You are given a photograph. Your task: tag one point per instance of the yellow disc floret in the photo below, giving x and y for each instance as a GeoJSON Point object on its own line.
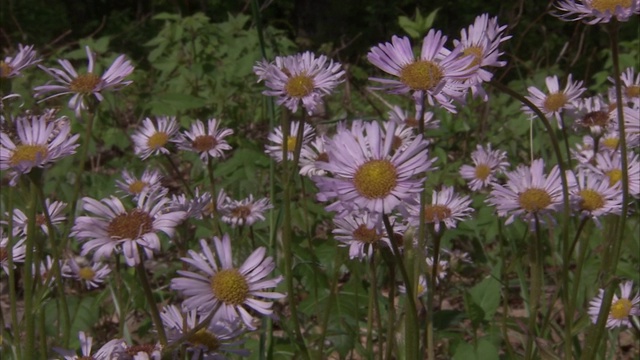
{"type": "Point", "coordinates": [533, 199]}
{"type": "Point", "coordinates": [299, 86]}
{"type": "Point", "coordinates": [421, 75]}
{"type": "Point", "coordinates": [85, 83]}
{"type": "Point", "coordinates": [620, 309]}
{"type": "Point", "coordinates": [28, 153]}
{"type": "Point", "coordinates": [375, 179]}
{"type": "Point", "coordinates": [610, 5]}
{"type": "Point", "coordinates": [230, 287]}
{"type": "Point", "coordinates": [591, 200]}
{"type": "Point", "coordinates": [555, 101]}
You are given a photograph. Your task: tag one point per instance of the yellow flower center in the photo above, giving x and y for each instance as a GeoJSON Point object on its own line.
{"type": "Point", "coordinates": [620, 309]}
{"type": "Point", "coordinates": [204, 143]}
{"type": "Point", "coordinates": [158, 140]}
{"type": "Point", "coordinates": [230, 287]}
{"type": "Point", "coordinates": [5, 69]}
{"type": "Point", "coordinates": [591, 200]}
{"type": "Point", "coordinates": [130, 225]}
{"type": "Point", "coordinates": [611, 143]}
{"type": "Point", "coordinates": [291, 143]}
{"type": "Point", "coordinates": [241, 212]}
{"type": "Point", "coordinates": [41, 219]}
{"type": "Point", "coordinates": [476, 52]}
{"type": "Point", "coordinates": [555, 102]}
{"type": "Point", "coordinates": [206, 339]}
{"type": "Point", "coordinates": [436, 213]}
{"type": "Point", "coordinates": [632, 91]}
{"type": "Point", "coordinates": [299, 86]}
{"type": "Point", "coordinates": [137, 186]}
{"type": "Point", "coordinates": [596, 118]}
{"type": "Point", "coordinates": [86, 273]}
{"type": "Point", "coordinates": [482, 171]}
{"type": "Point", "coordinates": [534, 199]}
{"type": "Point", "coordinates": [28, 153]}
{"type": "Point", "coordinates": [421, 75]}
{"type": "Point", "coordinates": [375, 179]}
{"type": "Point", "coordinates": [366, 235]}
{"type": "Point", "coordinates": [610, 5]}
{"type": "Point", "coordinates": [85, 83]}
{"type": "Point", "coordinates": [614, 175]}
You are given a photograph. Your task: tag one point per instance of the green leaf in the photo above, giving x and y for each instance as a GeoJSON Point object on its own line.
{"type": "Point", "coordinates": [485, 350]}
{"type": "Point", "coordinates": [486, 294]}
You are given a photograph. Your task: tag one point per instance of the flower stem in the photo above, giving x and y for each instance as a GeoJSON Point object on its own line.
{"type": "Point", "coordinates": [148, 293]}
{"type": "Point", "coordinates": [411, 337]}
{"type": "Point", "coordinates": [28, 274]}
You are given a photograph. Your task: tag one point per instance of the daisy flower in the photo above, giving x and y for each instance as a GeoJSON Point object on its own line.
{"type": "Point", "coordinates": [487, 163]}
{"type": "Point", "coordinates": [221, 284]}
{"type": "Point", "coordinates": [208, 343]}
{"type": "Point", "coordinates": [194, 207]}
{"type": "Point", "coordinates": [12, 66]}
{"type": "Point", "coordinates": [594, 113]}
{"type": "Point", "coordinates": [437, 73]}
{"type": "Point", "coordinates": [364, 173]}
{"type": "Point", "coordinates": [114, 228]}
{"type": "Point", "coordinates": [555, 102]}
{"type": "Point", "coordinates": [310, 154]}
{"type": "Point", "coordinates": [244, 212]}
{"type": "Point", "coordinates": [153, 137]}
{"type": "Point", "coordinates": [141, 352]}
{"type": "Point", "coordinates": [597, 11]}
{"type": "Point", "coordinates": [592, 194]}
{"type": "Point", "coordinates": [276, 137]}
{"type": "Point", "coordinates": [54, 209]}
{"type": "Point", "coordinates": [299, 78]}
{"type": "Point", "coordinates": [34, 146]}
{"type": "Point", "coordinates": [446, 207]}
{"type": "Point", "coordinates": [422, 287]}
{"type": "Point", "coordinates": [208, 142]}
{"type": "Point", "coordinates": [584, 153]}
{"type": "Point", "coordinates": [610, 164]}
{"type": "Point", "coordinates": [401, 117]}
{"type": "Point", "coordinates": [528, 193]}
{"type": "Point", "coordinates": [621, 309]}
{"type": "Point", "coordinates": [108, 351]}
{"type": "Point", "coordinates": [630, 87]}
{"type": "Point", "coordinates": [85, 84]}
{"type": "Point", "coordinates": [150, 181]}
{"type": "Point", "coordinates": [90, 275]}
{"type": "Point", "coordinates": [17, 251]}
{"type": "Point", "coordinates": [362, 232]}
{"type": "Point", "coordinates": [481, 40]}
{"type": "Point", "coordinates": [441, 269]}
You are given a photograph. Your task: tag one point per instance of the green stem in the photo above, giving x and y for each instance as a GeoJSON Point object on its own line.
{"type": "Point", "coordinates": [57, 255]}
{"type": "Point", "coordinates": [622, 146]}
{"type": "Point", "coordinates": [12, 272]}
{"type": "Point", "coordinates": [376, 303]}
{"type": "Point", "coordinates": [287, 241]}
{"type": "Point", "coordinates": [148, 293]}
{"type": "Point", "coordinates": [391, 313]}
{"type": "Point", "coordinates": [412, 315]}
{"type": "Point", "coordinates": [77, 186]}
{"type": "Point", "coordinates": [332, 298]}
{"type": "Point", "coordinates": [28, 274]}
{"type": "Point", "coordinates": [536, 264]}
{"type": "Point", "coordinates": [569, 301]}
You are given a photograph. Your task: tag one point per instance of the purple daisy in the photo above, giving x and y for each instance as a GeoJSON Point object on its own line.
{"type": "Point", "coordinates": [207, 142]}
{"type": "Point", "coordinates": [232, 289]}
{"type": "Point", "coordinates": [83, 85]}
{"type": "Point", "coordinates": [114, 228]}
